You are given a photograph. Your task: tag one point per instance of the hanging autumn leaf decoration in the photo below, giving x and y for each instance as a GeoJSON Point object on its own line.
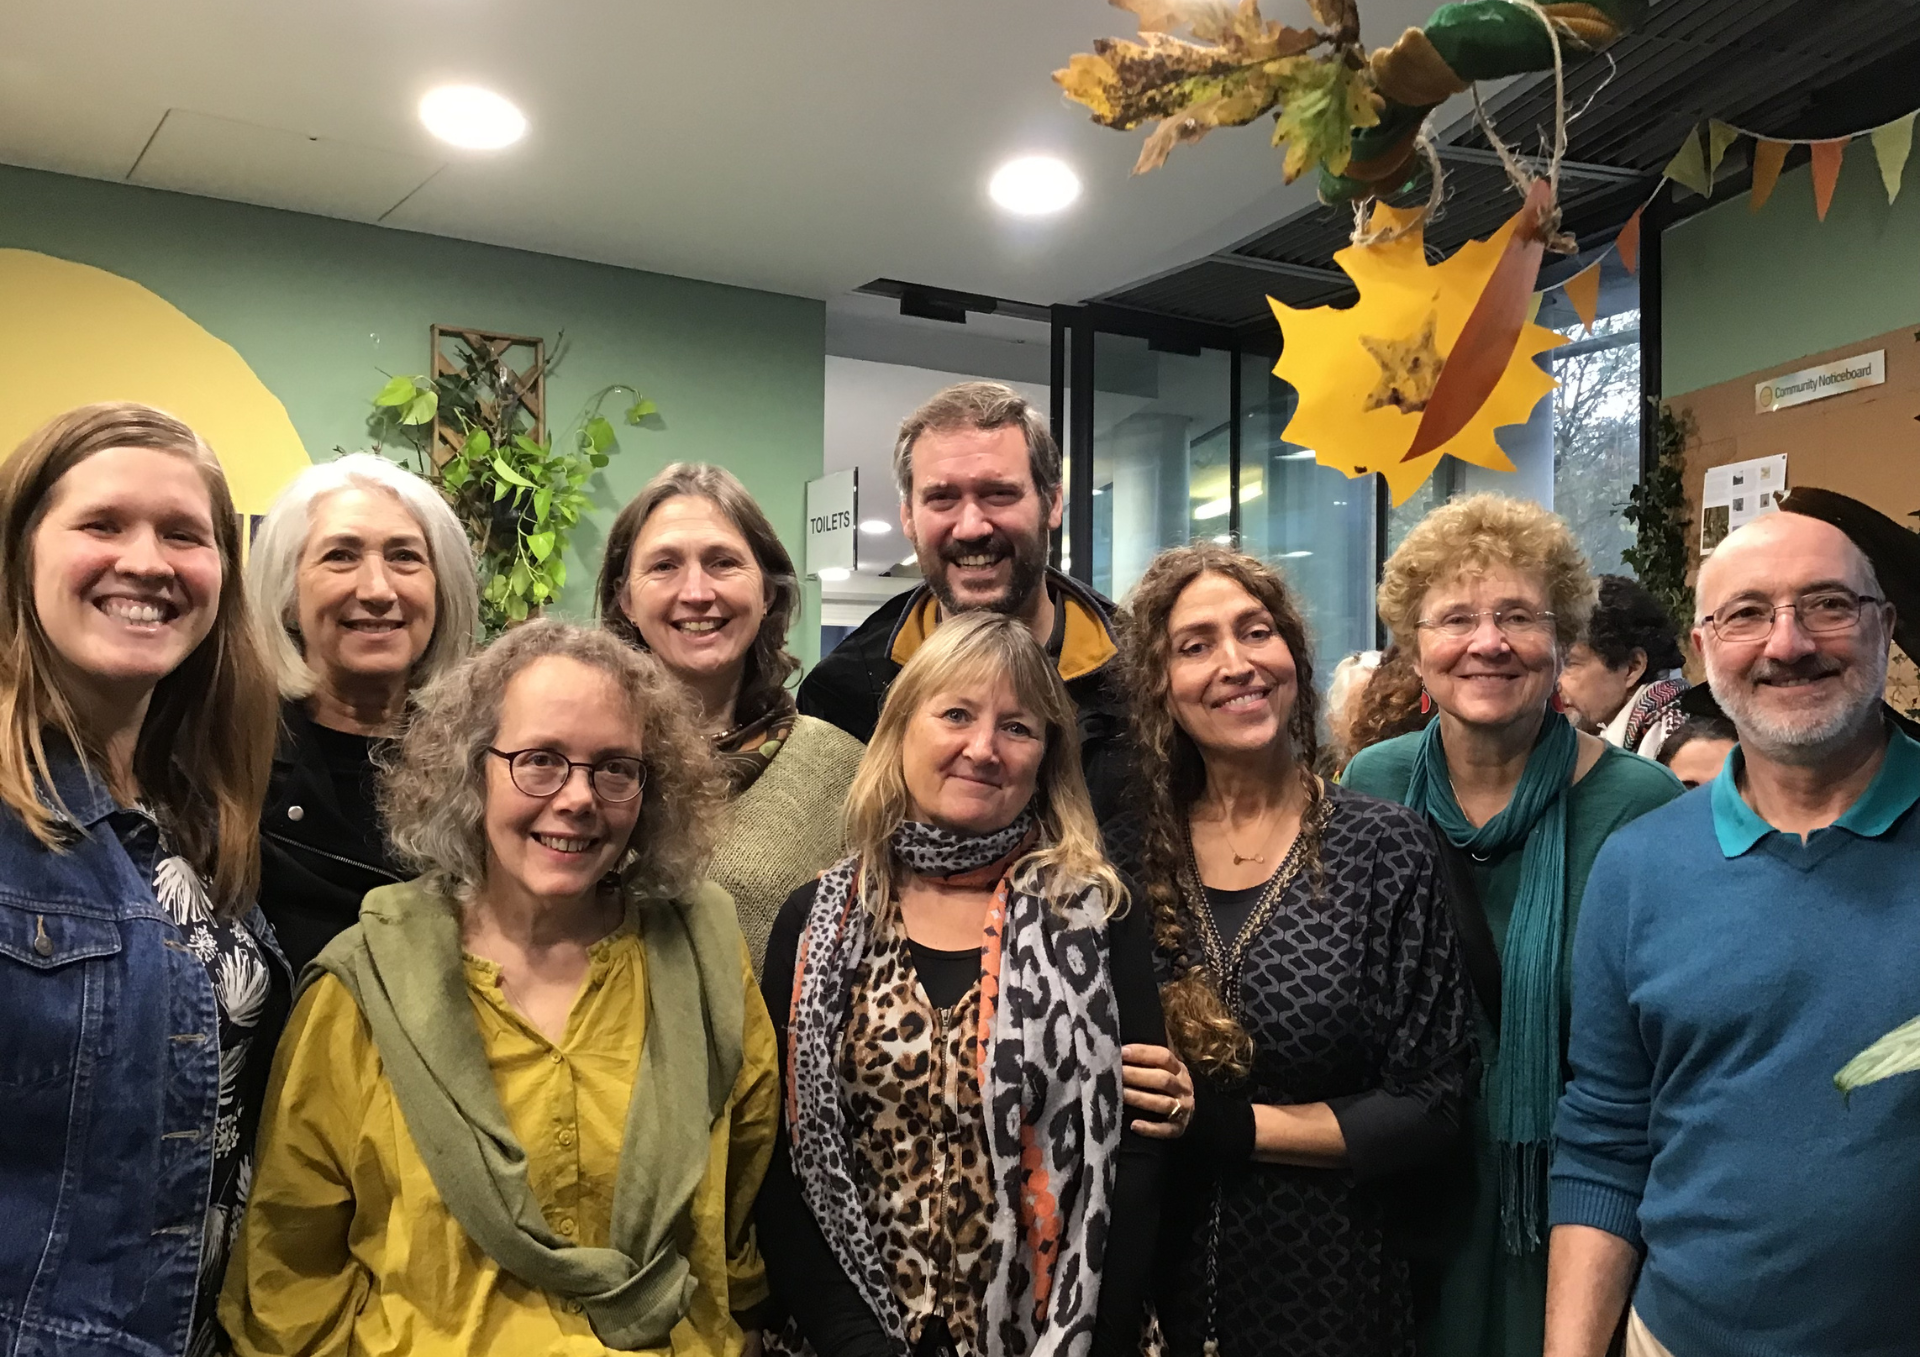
{"type": "Point", "coordinates": [1235, 67]}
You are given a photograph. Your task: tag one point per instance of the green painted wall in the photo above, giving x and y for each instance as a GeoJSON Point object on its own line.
{"type": "Point", "coordinates": [320, 308]}
{"type": "Point", "coordinates": [1745, 290]}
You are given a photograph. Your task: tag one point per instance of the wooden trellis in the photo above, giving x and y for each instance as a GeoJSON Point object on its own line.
{"type": "Point", "coordinates": [520, 369]}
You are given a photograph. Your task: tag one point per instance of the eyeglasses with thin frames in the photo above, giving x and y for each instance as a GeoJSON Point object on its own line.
{"type": "Point", "coordinates": [543, 772]}
{"type": "Point", "coordinates": [1824, 612]}
{"type": "Point", "coordinates": [1513, 623]}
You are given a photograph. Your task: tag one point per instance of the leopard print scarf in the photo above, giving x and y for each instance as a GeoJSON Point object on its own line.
{"type": "Point", "coordinates": [1049, 1077]}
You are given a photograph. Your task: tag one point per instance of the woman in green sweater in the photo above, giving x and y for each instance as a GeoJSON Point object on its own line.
{"type": "Point", "coordinates": [1488, 593]}
{"type": "Point", "coordinates": [695, 573]}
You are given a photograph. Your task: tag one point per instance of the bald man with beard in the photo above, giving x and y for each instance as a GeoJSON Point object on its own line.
{"type": "Point", "coordinates": [1736, 948]}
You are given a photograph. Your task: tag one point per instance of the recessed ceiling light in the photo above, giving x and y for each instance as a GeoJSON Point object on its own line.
{"type": "Point", "coordinates": [834, 574]}
{"type": "Point", "coordinates": [1034, 186]}
{"type": "Point", "coordinates": [876, 527]}
{"type": "Point", "coordinates": [469, 116]}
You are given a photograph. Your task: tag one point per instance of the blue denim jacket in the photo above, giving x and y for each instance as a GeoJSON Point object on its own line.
{"type": "Point", "coordinates": [109, 1080]}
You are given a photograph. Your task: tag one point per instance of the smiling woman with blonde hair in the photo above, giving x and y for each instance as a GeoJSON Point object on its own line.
{"type": "Point", "coordinates": [1487, 594]}
{"type": "Point", "coordinates": [952, 1000]}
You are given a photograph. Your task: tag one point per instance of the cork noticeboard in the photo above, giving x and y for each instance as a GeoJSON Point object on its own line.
{"type": "Point", "coordinates": [1863, 443]}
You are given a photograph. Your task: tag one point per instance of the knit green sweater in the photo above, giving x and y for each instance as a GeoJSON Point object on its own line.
{"type": "Point", "coordinates": [785, 829]}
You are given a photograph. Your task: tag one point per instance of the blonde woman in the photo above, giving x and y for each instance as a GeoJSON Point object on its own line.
{"type": "Point", "coordinates": [140, 989]}
{"type": "Point", "coordinates": [523, 1106]}
{"type": "Point", "coordinates": [952, 1001]}
{"type": "Point", "coordinates": [1487, 594]}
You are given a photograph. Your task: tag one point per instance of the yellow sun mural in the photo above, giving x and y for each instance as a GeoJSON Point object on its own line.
{"type": "Point", "coordinates": [83, 334]}
{"type": "Point", "coordinates": [1387, 385]}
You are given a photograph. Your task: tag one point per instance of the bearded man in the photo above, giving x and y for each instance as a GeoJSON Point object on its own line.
{"type": "Point", "coordinates": [1737, 947]}
{"type": "Point", "coordinates": [980, 494]}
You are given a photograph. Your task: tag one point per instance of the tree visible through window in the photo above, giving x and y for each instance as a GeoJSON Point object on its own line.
{"type": "Point", "coordinates": [1596, 438]}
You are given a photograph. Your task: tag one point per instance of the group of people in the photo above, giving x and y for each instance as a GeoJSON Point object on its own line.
{"type": "Point", "coordinates": [1032, 981]}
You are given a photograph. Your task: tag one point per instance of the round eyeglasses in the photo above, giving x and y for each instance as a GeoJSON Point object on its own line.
{"type": "Point", "coordinates": [1822, 613]}
{"type": "Point", "coordinates": [543, 772]}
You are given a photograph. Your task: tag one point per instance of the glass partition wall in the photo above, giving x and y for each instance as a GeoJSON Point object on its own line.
{"type": "Point", "coordinates": [1173, 434]}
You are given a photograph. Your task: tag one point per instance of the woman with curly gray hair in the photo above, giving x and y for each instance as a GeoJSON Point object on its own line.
{"type": "Point", "coordinates": [1487, 595]}
{"type": "Point", "coordinates": [525, 1104]}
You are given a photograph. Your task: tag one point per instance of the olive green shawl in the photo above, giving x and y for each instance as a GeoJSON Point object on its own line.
{"type": "Point", "coordinates": [402, 964]}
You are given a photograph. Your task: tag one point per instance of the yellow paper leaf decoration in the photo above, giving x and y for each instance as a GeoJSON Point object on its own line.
{"type": "Point", "coordinates": [1363, 372]}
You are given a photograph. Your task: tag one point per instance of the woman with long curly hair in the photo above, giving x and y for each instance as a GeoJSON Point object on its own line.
{"type": "Point", "coordinates": [1313, 987]}
{"type": "Point", "coordinates": [523, 1105]}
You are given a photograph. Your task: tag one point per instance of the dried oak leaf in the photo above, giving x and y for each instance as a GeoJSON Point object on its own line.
{"type": "Point", "coordinates": [1323, 100]}
{"type": "Point", "coordinates": [1341, 18]}
{"type": "Point", "coordinates": [1239, 98]}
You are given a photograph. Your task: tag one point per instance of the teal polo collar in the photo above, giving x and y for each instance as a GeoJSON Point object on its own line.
{"type": "Point", "coordinates": [1893, 791]}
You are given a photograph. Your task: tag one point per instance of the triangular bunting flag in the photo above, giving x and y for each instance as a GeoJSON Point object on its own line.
{"type": "Point", "coordinates": [1719, 137]}
{"type": "Point", "coordinates": [1768, 157]}
{"type": "Point", "coordinates": [1628, 241]}
{"type": "Point", "coordinates": [1689, 165]}
{"type": "Point", "coordinates": [1826, 171]}
{"type": "Point", "coordinates": [1583, 290]}
{"type": "Point", "coordinates": [1533, 307]}
{"type": "Point", "coordinates": [1890, 146]}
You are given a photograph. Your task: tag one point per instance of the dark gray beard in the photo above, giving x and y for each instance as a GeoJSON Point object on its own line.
{"type": "Point", "coordinates": [1023, 582]}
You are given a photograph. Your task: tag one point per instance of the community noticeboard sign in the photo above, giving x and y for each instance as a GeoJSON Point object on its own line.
{"type": "Point", "coordinates": [831, 507]}
{"type": "Point", "coordinates": [1812, 384]}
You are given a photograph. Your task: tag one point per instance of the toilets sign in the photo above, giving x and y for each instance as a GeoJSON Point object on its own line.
{"type": "Point", "coordinates": [1812, 384]}
{"type": "Point", "coordinates": [832, 510]}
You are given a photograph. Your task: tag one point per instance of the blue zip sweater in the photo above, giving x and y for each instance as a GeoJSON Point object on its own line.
{"type": "Point", "coordinates": [1722, 973]}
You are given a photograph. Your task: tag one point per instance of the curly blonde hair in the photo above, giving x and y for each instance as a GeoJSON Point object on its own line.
{"type": "Point", "coordinates": [965, 650]}
{"type": "Point", "coordinates": [1173, 777]}
{"type": "Point", "coordinates": [1478, 533]}
{"type": "Point", "coordinates": [433, 795]}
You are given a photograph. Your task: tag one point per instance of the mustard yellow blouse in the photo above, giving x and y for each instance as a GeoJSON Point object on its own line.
{"type": "Point", "coordinates": [347, 1248]}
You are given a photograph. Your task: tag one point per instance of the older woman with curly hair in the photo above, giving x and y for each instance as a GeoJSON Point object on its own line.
{"type": "Point", "coordinates": [953, 998]}
{"type": "Point", "coordinates": [525, 1103]}
{"type": "Point", "coordinates": [1488, 594]}
{"type": "Point", "coordinates": [1310, 978]}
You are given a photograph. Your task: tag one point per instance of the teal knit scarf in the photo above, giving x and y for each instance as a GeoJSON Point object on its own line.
{"type": "Point", "coordinates": [1526, 1075]}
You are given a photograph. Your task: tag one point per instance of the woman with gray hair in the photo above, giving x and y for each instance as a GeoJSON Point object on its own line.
{"type": "Point", "coordinates": [524, 1105]}
{"type": "Point", "coordinates": [363, 589]}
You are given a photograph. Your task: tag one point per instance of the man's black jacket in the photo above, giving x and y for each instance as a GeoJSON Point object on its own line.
{"type": "Point", "coordinates": [848, 686]}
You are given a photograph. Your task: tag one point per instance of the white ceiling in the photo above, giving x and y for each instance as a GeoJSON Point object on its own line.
{"type": "Point", "coordinates": [802, 148]}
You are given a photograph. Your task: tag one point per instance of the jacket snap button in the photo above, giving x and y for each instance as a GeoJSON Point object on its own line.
{"type": "Point", "coordinates": [42, 944]}
{"type": "Point", "coordinates": [296, 813]}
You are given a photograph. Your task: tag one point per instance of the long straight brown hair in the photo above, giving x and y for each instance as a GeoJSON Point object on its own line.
{"type": "Point", "coordinates": [205, 749]}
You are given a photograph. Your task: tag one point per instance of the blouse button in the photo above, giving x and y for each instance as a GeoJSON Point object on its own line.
{"type": "Point", "coordinates": [565, 1137]}
{"type": "Point", "coordinates": [556, 1057]}
{"type": "Point", "coordinates": [296, 813]}
{"type": "Point", "coordinates": [566, 1226]}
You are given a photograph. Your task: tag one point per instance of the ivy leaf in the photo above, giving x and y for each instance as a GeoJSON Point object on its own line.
{"type": "Point", "coordinates": [640, 409]}
{"type": "Point", "coordinates": [599, 434]}
{"type": "Point", "coordinates": [532, 449]}
{"type": "Point", "coordinates": [500, 487]}
{"type": "Point", "coordinates": [509, 476]}
{"type": "Point", "coordinates": [478, 444]}
{"type": "Point", "coordinates": [557, 572]}
{"type": "Point", "coordinates": [542, 591]}
{"type": "Point", "coordinates": [421, 409]}
{"type": "Point", "coordinates": [456, 473]}
{"type": "Point", "coordinates": [599, 459]}
{"type": "Point", "coordinates": [540, 544]}
{"type": "Point", "coordinates": [542, 502]}
{"type": "Point", "coordinates": [1898, 1052]}
{"type": "Point", "coordinates": [517, 608]}
{"type": "Point", "coordinates": [521, 577]}
{"type": "Point", "coordinates": [398, 391]}
{"type": "Point", "coordinates": [1323, 101]}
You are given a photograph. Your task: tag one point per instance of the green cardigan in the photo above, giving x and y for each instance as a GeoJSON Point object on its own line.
{"type": "Point", "coordinates": [1493, 1304]}
{"type": "Point", "coordinates": [785, 829]}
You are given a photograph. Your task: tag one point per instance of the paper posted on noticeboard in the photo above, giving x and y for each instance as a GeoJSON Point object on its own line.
{"type": "Point", "coordinates": [1738, 493]}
